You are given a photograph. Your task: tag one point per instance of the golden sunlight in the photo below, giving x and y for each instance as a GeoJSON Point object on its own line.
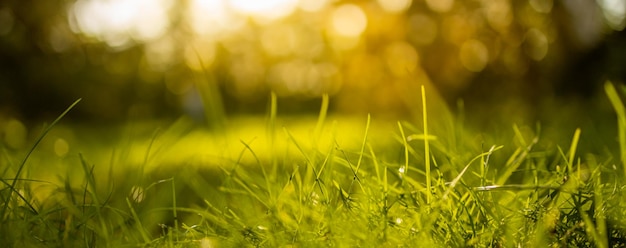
{"type": "Point", "coordinates": [395, 6]}
{"type": "Point", "coordinates": [212, 18]}
{"type": "Point", "coordinates": [349, 20]}
{"type": "Point", "coordinates": [315, 47]}
{"type": "Point", "coordinates": [474, 55]}
{"type": "Point", "coordinates": [264, 11]}
{"type": "Point", "coordinates": [120, 22]}
{"type": "Point", "coordinates": [312, 5]}
{"type": "Point", "coordinates": [614, 13]}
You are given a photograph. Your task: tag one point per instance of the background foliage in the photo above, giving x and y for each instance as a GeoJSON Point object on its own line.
{"type": "Point", "coordinates": [147, 59]}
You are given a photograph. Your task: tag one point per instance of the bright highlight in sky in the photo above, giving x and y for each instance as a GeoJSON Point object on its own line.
{"type": "Point", "coordinates": [118, 22]}
{"type": "Point", "coordinates": [349, 20]}
{"type": "Point", "coordinates": [266, 10]}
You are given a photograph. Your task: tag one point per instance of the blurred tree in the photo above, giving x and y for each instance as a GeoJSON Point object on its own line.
{"type": "Point", "coordinates": [154, 59]}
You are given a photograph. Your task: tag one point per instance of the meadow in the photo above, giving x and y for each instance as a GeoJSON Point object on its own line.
{"type": "Point", "coordinates": [311, 181]}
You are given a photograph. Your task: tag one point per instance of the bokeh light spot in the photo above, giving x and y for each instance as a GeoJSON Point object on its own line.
{"type": "Point", "coordinates": [302, 77]}
{"type": "Point", "coordinates": [512, 58]}
{"type": "Point", "coordinates": [118, 22]}
{"type": "Point", "coordinates": [15, 134]}
{"type": "Point", "coordinates": [535, 44]}
{"type": "Point", "coordinates": [279, 41]}
{"type": "Point", "coordinates": [614, 13]}
{"type": "Point", "coordinates": [312, 5]}
{"type": "Point", "coordinates": [474, 55]}
{"type": "Point", "coordinates": [212, 17]}
{"type": "Point", "coordinates": [159, 54]}
{"type": "Point", "coordinates": [423, 29]}
{"type": "Point", "coordinates": [402, 58]}
{"type": "Point", "coordinates": [6, 21]}
{"type": "Point", "coordinates": [541, 6]}
{"type": "Point", "coordinates": [266, 10]}
{"type": "Point", "coordinates": [200, 54]}
{"type": "Point", "coordinates": [457, 28]}
{"type": "Point", "coordinates": [394, 6]}
{"type": "Point", "coordinates": [499, 15]}
{"type": "Point", "coordinates": [61, 147]}
{"type": "Point", "coordinates": [348, 20]}
{"type": "Point", "coordinates": [440, 6]}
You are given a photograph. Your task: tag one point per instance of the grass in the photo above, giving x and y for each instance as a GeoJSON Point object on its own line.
{"type": "Point", "coordinates": [330, 181]}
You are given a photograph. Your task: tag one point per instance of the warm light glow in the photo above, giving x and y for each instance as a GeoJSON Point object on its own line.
{"type": "Point", "coordinates": [542, 6]}
{"type": "Point", "coordinates": [458, 28]}
{"type": "Point", "coordinates": [614, 13]}
{"type": "Point", "coordinates": [344, 43]}
{"type": "Point", "coordinates": [200, 54]}
{"type": "Point", "coordinates": [474, 55]}
{"type": "Point", "coordinates": [300, 47]}
{"type": "Point", "coordinates": [264, 10]}
{"type": "Point", "coordinates": [212, 17]}
{"type": "Point", "coordinates": [394, 6]}
{"type": "Point", "coordinates": [248, 72]}
{"type": "Point", "coordinates": [217, 17]}
{"type": "Point", "coordinates": [536, 44]}
{"type": "Point", "coordinates": [303, 77]}
{"type": "Point", "coordinates": [402, 58]}
{"type": "Point", "coordinates": [348, 20]}
{"type": "Point", "coordinates": [159, 54]}
{"type": "Point", "coordinates": [279, 40]}
{"type": "Point", "coordinates": [312, 5]}
{"type": "Point", "coordinates": [499, 15]}
{"type": "Point", "coordinates": [118, 22]}
{"type": "Point", "coordinates": [440, 6]}
{"type": "Point", "coordinates": [423, 29]}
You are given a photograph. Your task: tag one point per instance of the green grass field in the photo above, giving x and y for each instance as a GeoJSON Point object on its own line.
{"type": "Point", "coordinates": [316, 181]}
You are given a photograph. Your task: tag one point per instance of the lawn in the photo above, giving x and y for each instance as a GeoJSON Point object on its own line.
{"type": "Point", "coordinates": [310, 181]}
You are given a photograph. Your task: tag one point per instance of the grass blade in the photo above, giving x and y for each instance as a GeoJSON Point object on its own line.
{"type": "Point", "coordinates": [321, 119]}
{"type": "Point", "coordinates": [30, 151]}
{"type": "Point", "coordinates": [426, 147]}
{"type": "Point", "coordinates": [142, 230]}
{"type": "Point", "coordinates": [620, 110]}
{"type": "Point", "coordinates": [367, 129]}
{"type": "Point", "coordinates": [458, 177]}
{"type": "Point", "coordinates": [572, 149]}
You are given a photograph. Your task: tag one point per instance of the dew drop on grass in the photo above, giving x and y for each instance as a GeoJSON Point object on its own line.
{"type": "Point", "coordinates": [398, 221]}
{"type": "Point", "coordinates": [136, 193]}
{"type": "Point", "coordinates": [401, 172]}
{"type": "Point", "coordinates": [315, 198]}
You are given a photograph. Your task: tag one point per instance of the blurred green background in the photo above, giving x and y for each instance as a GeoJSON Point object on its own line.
{"type": "Point", "coordinates": [154, 59]}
